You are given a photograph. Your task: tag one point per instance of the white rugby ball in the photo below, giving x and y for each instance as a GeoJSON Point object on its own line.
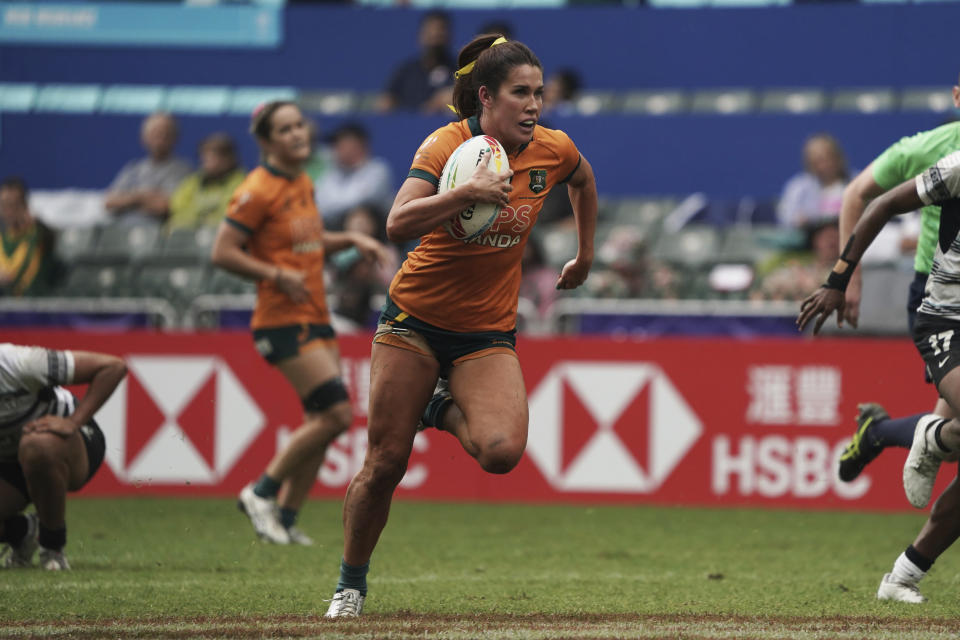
{"type": "Point", "coordinates": [463, 162]}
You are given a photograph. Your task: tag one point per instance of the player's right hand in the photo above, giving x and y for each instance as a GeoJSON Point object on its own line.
{"type": "Point", "coordinates": [820, 305]}
{"type": "Point", "coordinates": [487, 186]}
{"type": "Point", "coordinates": [293, 284]}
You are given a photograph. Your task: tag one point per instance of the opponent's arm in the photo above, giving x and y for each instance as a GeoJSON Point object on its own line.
{"type": "Point", "coordinates": [831, 296]}
{"type": "Point", "coordinates": [228, 253]}
{"type": "Point", "coordinates": [419, 209]}
{"type": "Point", "coordinates": [583, 197]}
{"type": "Point", "coordinates": [103, 373]}
{"type": "Point", "coordinates": [861, 190]}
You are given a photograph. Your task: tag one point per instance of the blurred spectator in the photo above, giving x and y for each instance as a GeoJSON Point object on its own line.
{"type": "Point", "coordinates": [320, 156]}
{"type": "Point", "coordinates": [141, 191]}
{"type": "Point", "coordinates": [559, 92]}
{"type": "Point", "coordinates": [354, 178]}
{"type": "Point", "coordinates": [817, 192]}
{"type": "Point", "coordinates": [539, 282]}
{"type": "Point", "coordinates": [425, 82]}
{"type": "Point", "coordinates": [793, 275]}
{"type": "Point", "coordinates": [202, 197]}
{"type": "Point", "coordinates": [501, 27]}
{"type": "Point", "coordinates": [27, 264]}
{"type": "Point", "coordinates": [356, 280]}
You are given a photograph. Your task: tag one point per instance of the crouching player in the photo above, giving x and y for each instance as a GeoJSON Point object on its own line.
{"type": "Point", "coordinates": [49, 444]}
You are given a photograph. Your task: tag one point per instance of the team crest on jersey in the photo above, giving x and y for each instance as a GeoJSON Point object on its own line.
{"type": "Point", "coordinates": [538, 180]}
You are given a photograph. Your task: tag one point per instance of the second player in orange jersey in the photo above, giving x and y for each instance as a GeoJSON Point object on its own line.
{"type": "Point", "coordinates": [273, 234]}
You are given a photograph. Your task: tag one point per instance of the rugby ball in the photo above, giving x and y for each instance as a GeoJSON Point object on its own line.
{"type": "Point", "coordinates": [473, 221]}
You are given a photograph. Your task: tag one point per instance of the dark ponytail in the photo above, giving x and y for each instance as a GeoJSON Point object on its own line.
{"type": "Point", "coordinates": [492, 65]}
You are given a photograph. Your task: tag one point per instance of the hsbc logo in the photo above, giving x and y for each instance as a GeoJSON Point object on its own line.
{"type": "Point", "coordinates": [178, 418]}
{"type": "Point", "coordinates": [638, 427]}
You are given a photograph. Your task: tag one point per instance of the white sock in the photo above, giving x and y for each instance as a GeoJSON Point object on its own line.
{"type": "Point", "coordinates": [906, 571]}
{"type": "Point", "coordinates": [931, 423]}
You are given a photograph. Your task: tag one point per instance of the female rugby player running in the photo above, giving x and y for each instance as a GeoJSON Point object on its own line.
{"type": "Point", "coordinates": [451, 309]}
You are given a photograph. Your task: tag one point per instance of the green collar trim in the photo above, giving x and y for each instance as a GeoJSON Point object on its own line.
{"type": "Point", "coordinates": [473, 122]}
{"type": "Point", "coordinates": [280, 174]}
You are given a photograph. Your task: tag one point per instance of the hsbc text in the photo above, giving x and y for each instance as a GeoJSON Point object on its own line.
{"type": "Point", "coordinates": [774, 466]}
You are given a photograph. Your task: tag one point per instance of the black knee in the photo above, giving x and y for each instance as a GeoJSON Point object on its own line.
{"type": "Point", "coordinates": [500, 456]}
{"type": "Point", "coordinates": [325, 396]}
{"type": "Point", "coordinates": [35, 451]}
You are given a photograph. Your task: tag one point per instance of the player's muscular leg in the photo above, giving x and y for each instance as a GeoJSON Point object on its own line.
{"type": "Point", "coordinates": [401, 383]}
{"type": "Point", "coordinates": [489, 411]}
{"type": "Point", "coordinates": [52, 466]}
{"type": "Point", "coordinates": [12, 501]}
{"type": "Point", "coordinates": [305, 452]}
{"type": "Point", "coordinates": [949, 389]}
{"type": "Point", "coordinates": [943, 526]}
{"type": "Point", "coordinates": [305, 373]}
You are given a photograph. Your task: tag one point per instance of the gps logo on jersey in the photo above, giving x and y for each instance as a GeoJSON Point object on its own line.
{"type": "Point", "coordinates": [176, 419]}
{"type": "Point", "coordinates": [643, 427]}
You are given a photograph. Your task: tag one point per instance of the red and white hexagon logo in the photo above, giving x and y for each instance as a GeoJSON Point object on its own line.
{"type": "Point", "coordinates": [602, 426]}
{"type": "Point", "coordinates": [176, 419]}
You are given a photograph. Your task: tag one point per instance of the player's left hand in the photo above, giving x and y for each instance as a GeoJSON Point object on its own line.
{"type": "Point", "coordinates": [63, 427]}
{"type": "Point", "coordinates": [371, 249]}
{"type": "Point", "coordinates": [820, 304]}
{"type": "Point", "coordinates": [573, 274]}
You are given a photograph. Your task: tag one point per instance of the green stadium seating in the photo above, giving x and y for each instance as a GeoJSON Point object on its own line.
{"type": "Point", "coordinates": [17, 96]}
{"type": "Point", "coordinates": [70, 98]}
{"type": "Point", "coordinates": [793, 100]}
{"type": "Point", "coordinates": [98, 281]}
{"type": "Point", "coordinates": [123, 243]}
{"type": "Point", "coordinates": [692, 246]}
{"type": "Point", "coordinates": [132, 99]}
{"type": "Point", "coordinates": [197, 100]}
{"type": "Point", "coordinates": [178, 284]}
{"type": "Point", "coordinates": [863, 100]}
{"type": "Point", "coordinates": [724, 101]}
{"type": "Point", "coordinates": [188, 245]}
{"type": "Point", "coordinates": [76, 245]}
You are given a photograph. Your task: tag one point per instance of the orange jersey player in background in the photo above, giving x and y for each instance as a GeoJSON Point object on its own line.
{"type": "Point", "coordinates": [451, 311]}
{"type": "Point", "coordinates": [273, 234]}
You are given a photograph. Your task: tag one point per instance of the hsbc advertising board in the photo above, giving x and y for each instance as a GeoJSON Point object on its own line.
{"type": "Point", "coordinates": [667, 421]}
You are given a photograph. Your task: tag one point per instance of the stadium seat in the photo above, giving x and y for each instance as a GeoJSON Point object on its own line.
{"type": "Point", "coordinates": [17, 96]}
{"type": "Point", "coordinates": [188, 245]}
{"type": "Point", "coordinates": [863, 100]}
{"type": "Point", "coordinates": [750, 243]}
{"type": "Point", "coordinates": [124, 243]}
{"type": "Point", "coordinates": [224, 282]}
{"type": "Point", "coordinates": [98, 281]}
{"type": "Point", "coordinates": [692, 246]}
{"type": "Point", "coordinates": [70, 98]}
{"type": "Point", "coordinates": [655, 103]}
{"type": "Point", "coordinates": [178, 284]}
{"type": "Point", "coordinates": [559, 245]}
{"type": "Point", "coordinates": [793, 100]}
{"type": "Point", "coordinates": [329, 102]}
{"type": "Point", "coordinates": [933, 99]}
{"type": "Point", "coordinates": [244, 100]}
{"type": "Point", "coordinates": [76, 245]}
{"type": "Point", "coordinates": [132, 99]}
{"type": "Point", "coordinates": [590, 103]}
{"type": "Point", "coordinates": [724, 101]}
{"type": "Point", "coordinates": [197, 100]}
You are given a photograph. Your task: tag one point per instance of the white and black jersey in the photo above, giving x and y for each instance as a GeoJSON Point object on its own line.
{"type": "Point", "coordinates": [30, 379]}
{"type": "Point", "coordinates": [940, 185]}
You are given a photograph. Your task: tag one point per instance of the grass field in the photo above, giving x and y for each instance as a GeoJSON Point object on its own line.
{"type": "Point", "coordinates": [152, 568]}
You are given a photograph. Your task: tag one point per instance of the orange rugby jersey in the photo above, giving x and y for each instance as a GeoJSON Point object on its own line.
{"type": "Point", "coordinates": [474, 286]}
{"type": "Point", "coordinates": [285, 229]}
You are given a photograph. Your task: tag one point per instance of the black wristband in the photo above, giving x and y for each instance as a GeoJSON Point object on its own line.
{"type": "Point", "coordinates": [838, 281]}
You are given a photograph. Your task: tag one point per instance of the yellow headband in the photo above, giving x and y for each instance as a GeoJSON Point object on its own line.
{"type": "Point", "coordinates": [467, 68]}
